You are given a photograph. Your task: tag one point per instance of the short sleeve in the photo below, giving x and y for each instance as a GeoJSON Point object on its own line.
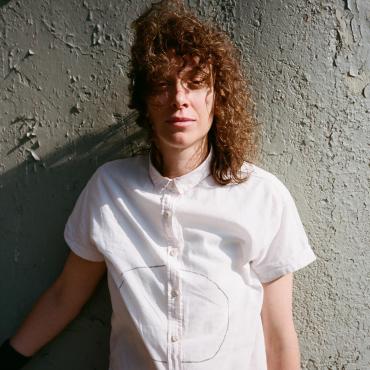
{"type": "Point", "coordinates": [82, 228]}
{"type": "Point", "coordinates": [289, 249]}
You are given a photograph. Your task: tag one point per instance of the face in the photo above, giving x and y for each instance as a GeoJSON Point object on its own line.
{"type": "Point", "coordinates": [180, 107]}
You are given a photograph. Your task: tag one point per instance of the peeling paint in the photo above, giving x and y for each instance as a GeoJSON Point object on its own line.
{"type": "Point", "coordinates": [366, 91]}
{"type": "Point", "coordinates": [33, 154]}
{"type": "Point", "coordinates": [97, 37]}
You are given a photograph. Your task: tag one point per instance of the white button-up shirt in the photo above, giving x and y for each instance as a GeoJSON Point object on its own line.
{"type": "Point", "coordinates": [186, 258]}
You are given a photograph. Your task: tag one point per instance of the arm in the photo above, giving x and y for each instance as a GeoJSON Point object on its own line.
{"type": "Point", "coordinates": [282, 348]}
{"type": "Point", "coordinates": [59, 304]}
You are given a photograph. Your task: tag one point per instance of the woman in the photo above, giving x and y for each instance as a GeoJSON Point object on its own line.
{"type": "Point", "coordinates": [199, 243]}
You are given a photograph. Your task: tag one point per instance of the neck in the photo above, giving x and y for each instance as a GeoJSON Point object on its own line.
{"type": "Point", "coordinates": [178, 162]}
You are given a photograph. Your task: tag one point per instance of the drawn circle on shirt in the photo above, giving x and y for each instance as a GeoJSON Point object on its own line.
{"type": "Point", "coordinates": [204, 306]}
{"type": "Point", "coordinates": [206, 317]}
{"type": "Point", "coordinates": [143, 290]}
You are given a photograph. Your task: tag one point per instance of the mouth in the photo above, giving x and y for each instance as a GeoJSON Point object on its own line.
{"type": "Point", "coordinates": [181, 121]}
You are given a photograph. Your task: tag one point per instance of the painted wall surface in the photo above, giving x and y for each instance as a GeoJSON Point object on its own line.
{"type": "Point", "coordinates": [63, 111]}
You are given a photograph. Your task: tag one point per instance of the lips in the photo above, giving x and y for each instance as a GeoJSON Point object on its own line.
{"type": "Point", "coordinates": [180, 119]}
{"type": "Point", "coordinates": [180, 122]}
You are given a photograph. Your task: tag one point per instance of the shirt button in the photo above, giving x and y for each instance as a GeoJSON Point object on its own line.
{"type": "Point", "coordinates": [174, 338]}
{"type": "Point", "coordinates": [172, 185]}
{"type": "Point", "coordinates": [174, 293]}
{"type": "Point", "coordinates": [166, 214]}
{"type": "Point", "coordinates": [173, 252]}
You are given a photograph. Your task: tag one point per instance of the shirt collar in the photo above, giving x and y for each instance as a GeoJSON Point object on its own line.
{"type": "Point", "coordinates": [182, 183]}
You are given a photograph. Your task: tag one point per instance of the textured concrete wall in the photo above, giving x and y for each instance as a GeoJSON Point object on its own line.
{"type": "Point", "coordinates": [63, 111]}
{"type": "Point", "coordinates": [310, 67]}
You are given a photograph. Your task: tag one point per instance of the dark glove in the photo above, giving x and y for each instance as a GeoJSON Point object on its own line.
{"type": "Point", "coordinates": [10, 359]}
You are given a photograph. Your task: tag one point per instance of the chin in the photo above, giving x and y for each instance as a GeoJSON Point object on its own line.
{"type": "Point", "coordinates": [179, 139]}
{"type": "Point", "coordinates": [180, 143]}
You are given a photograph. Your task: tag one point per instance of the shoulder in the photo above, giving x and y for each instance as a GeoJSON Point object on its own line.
{"type": "Point", "coordinates": [263, 181]}
{"type": "Point", "coordinates": [133, 164]}
{"type": "Point", "coordinates": [122, 171]}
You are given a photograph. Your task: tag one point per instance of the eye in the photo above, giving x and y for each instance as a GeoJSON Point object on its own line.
{"type": "Point", "coordinates": [196, 83]}
{"type": "Point", "coordinates": [159, 86]}
{"type": "Point", "coordinates": [162, 84]}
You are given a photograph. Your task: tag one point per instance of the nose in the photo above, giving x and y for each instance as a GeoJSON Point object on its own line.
{"type": "Point", "coordinates": [180, 95]}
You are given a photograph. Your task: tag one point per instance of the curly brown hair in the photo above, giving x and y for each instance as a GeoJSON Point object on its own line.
{"type": "Point", "coordinates": [169, 26]}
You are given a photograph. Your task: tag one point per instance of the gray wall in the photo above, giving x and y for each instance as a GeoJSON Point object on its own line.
{"type": "Point", "coordinates": [63, 111]}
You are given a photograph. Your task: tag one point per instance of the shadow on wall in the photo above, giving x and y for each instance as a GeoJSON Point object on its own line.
{"type": "Point", "coordinates": [36, 199]}
{"type": "Point", "coordinates": [4, 2]}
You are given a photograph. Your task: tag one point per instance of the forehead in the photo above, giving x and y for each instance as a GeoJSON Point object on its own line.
{"type": "Point", "coordinates": [181, 65]}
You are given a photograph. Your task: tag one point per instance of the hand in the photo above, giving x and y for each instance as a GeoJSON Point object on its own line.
{"type": "Point", "coordinates": [10, 359]}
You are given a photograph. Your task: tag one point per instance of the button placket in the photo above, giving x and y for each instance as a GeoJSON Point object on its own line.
{"type": "Point", "coordinates": [175, 321]}
{"type": "Point", "coordinates": [173, 280]}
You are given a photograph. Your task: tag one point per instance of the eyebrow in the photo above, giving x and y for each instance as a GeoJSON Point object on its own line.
{"type": "Point", "coordinates": [204, 73]}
